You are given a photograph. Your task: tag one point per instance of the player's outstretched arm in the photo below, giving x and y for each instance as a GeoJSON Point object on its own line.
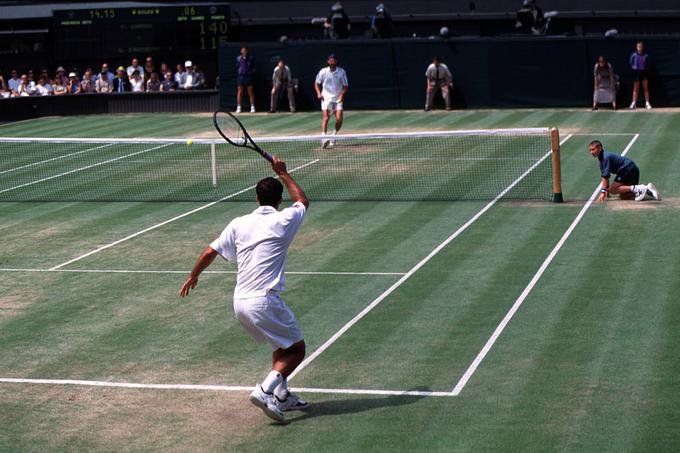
{"type": "Point", "coordinates": [203, 262]}
{"type": "Point", "coordinates": [295, 191]}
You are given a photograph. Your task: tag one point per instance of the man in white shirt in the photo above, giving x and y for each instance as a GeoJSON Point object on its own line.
{"type": "Point", "coordinates": [438, 78]}
{"type": "Point", "coordinates": [134, 66]}
{"type": "Point", "coordinates": [331, 86]}
{"type": "Point", "coordinates": [259, 243]}
{"type": "Point", "coordinates": [13, 83]}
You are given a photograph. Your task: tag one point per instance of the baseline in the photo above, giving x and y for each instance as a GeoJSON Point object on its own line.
{"type": "Point", "coordinates": [158, 225]}
{"type": "Point", "coordinates": [415, 268]}
{"type": "Point", "coordinates": [223, 388]}
{"type": "Point", "coordinates": [504, 322]}
{"type": "Point", "coordinates": [133, 271]}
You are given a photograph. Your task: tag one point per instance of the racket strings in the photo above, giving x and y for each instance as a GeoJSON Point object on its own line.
{"type": "Point", "coordinates": [230, 128]}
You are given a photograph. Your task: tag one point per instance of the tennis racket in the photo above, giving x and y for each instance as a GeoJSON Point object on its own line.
{"type": "Point", "coordinates": [231, 129]}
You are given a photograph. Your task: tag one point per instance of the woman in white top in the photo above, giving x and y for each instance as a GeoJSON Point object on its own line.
{"type": "Point", "coordinates": [136, 82]}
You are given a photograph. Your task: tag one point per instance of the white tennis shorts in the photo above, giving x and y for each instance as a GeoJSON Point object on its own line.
{"type": "Point", "coordinates": [268, 318]}
{"type": "Point", "coordinates": [331, 105]}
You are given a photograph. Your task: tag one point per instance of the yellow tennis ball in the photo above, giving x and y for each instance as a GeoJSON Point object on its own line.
{"type": "Point", "coordinates": [189, 142]}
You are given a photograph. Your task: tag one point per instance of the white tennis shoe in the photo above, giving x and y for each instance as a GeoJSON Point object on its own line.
{"type": "Point", "coordinates": [651, 189]}
{"type": "Point", "coordinates": [267, 403]}
{"type": "Point", "coordinates": [325, 143]}
{"type": "Point", "coordinates": [641, 192]}
{"type": "Point", "coordinates": [252, 109]}
{"type": "Point", "coordinates": [648, 106]}
{"type": "Point", "coordinates": [238, 109]}
{"type": "Point", "coordinates": [292, 403]}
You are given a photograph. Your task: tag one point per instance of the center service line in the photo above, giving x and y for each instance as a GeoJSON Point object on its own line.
{"type": "Point", "coordinates": [158, 225]}
{"type": "Point", "coordinates": [415, 268]}
{"type": "Point", "coordinates": [490, 342]}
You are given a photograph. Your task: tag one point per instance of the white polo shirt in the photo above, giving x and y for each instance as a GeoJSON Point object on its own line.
{"type": "Point", "coordinates": [331, 82]}
{"type": "Point", "coordinates": [259, 242]}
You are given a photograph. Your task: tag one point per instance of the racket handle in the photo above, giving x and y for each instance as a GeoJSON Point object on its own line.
{"type": "Point", "coordinates": [267, 156]}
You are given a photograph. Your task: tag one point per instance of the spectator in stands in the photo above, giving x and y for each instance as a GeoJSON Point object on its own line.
{"type": "Point", "coordinates": [153, 84]}
{"type": "Point", "coordinates": [179, 74]}
{"type": "Point", "coordinates": [58, 87]}
{"type": "Point", "coordinates": [148, 68]}
{"type": "Point", "coordinates": [120, 83]}
{"type": "Point", "coordinates": [282, 79]}
{"type": "Point", "coordinates": [245, 68]}
{"type": "Point", "coordinates": [188, 76]}
{"type": "Point", "coordinates": [30, 75]}
{"type": "Point", "coordinates": [164, 68]}
{"type": "Point", "coordinates": [604, 85]}
{"type": "Point", "coordinates": [60, 74]}
{"type": "Point", "coordinates": [134, 66]}
{"type": "Point", "coordinates": [639, 63]}
{"type": "Point", "coordinates": [199, 78]}
{"type": "Point", "coordinates": [136, 82]}
{"type": "Point", "coordinates": [26, 87]}
{"type": "Point", "coordinates": [87, 84]}
{"type": "Point", "coordinates": [169, 83]}
{"type": "Point", "coordinates": [73, 86]}
{"type": "Point", "coordinates": [381, 23]}
{"type": "Point", "coordinates": [44, 87]}
{"type": "Point", "coordinates": [337, 25]}
{"type": "Point", "coordinates": [105, 73]}
{"type": "Point", "coordinates": [4, 90]}
{"type": "Point", "coordinates": [13, 83]}
{"type": "Point", "coordinates": [438, 78]}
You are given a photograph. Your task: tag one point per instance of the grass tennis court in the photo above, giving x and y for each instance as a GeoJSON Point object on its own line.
{"type": "Point", "coordinates": [588, 362]}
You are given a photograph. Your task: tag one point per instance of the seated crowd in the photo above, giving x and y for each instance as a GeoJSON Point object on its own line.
{"type": "Point", "coordinates": [134, 78]}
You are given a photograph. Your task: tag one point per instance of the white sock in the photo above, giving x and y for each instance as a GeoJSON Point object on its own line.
{"type": "Point", "coordinates": [334, 132]}
{"type": "Point", "coordinates": [281, 391]}
{"type": "Point", "coordinates": [272, 380]}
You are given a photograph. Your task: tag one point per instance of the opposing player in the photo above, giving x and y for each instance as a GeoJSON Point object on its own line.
{"type": "Point", "coordinates": [259, 243]}
{"type": "Point", "coordinates": [331, 87]}
{"type": "Point", "coordinates": [626, 184]}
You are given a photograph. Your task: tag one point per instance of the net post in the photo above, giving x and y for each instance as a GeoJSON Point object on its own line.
{"type": "Point", "coordinates": [213, 164]}
{"type": "Point", "coordinates": [557, 174]}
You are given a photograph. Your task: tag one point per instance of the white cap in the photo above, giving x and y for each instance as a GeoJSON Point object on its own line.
{"type": "Point", "coordinates": [187, 64]}
{"type": "Point", "coordinates": [72, 74]}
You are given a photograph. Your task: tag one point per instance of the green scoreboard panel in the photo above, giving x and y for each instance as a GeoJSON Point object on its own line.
{"type": "Point", "coordinates": [187, 31]}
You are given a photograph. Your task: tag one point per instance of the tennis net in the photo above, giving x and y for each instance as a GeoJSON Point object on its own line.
{"type": "Point", "coordinates": [446, 165]}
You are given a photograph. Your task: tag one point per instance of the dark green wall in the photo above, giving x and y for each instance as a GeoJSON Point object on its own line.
{"type": "Point", "coordinates": [493, 72]}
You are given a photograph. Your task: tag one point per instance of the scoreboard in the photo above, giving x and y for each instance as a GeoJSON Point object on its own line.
{"type": "Point", "coordinates": [188, 31]}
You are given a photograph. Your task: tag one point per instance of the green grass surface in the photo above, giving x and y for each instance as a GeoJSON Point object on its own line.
{"type": "Point", "coordinates": [588, 363]}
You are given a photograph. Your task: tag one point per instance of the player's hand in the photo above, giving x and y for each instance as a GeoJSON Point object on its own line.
{"type": "Point", "coordinates": [320, 97]}
{"type": "Point", "coordinates": [602, 197]}
{"type": "Point", "coordinates": [279, 166]}
{"type": "Point", "coordinates": [189, 283]}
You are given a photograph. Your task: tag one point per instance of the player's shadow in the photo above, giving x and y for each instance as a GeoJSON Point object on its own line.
{"type": "Point", "coordinates": [354, 405]}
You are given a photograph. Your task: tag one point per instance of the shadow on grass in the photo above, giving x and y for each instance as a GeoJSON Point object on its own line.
{"type": "Point", "coordinates": [354, 405]}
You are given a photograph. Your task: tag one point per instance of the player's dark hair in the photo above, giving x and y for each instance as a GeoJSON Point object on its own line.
{"type": "Point", "coordinates": [596, 143]}
{"type": "Point", "coordinates": [269, 191]}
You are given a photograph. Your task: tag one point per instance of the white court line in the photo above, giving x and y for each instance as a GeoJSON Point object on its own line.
{"type": "Point", "coordinates": [81, 169]}
{"type": "Point", "coordinates": [490, 342]}
{"type": "Point", "coordinates": [54, 158]}
{"type": "Point", "coordinates": [130, 271]}
{"type": "Point", "coordinates": [222, 388]}
{"type": "Point", "coordinates": [415, 268]}
{"type": "Point", "coordinates": [158, 225]}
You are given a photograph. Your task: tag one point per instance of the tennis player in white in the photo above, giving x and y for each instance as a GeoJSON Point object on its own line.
{"type": "Point", "coordinates": [331, 86]}
{"type": "Point", "coordinates": [259, 243]}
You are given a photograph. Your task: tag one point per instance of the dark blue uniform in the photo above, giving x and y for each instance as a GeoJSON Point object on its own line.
{"type": "Point", "coordinates": [627, 173]}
